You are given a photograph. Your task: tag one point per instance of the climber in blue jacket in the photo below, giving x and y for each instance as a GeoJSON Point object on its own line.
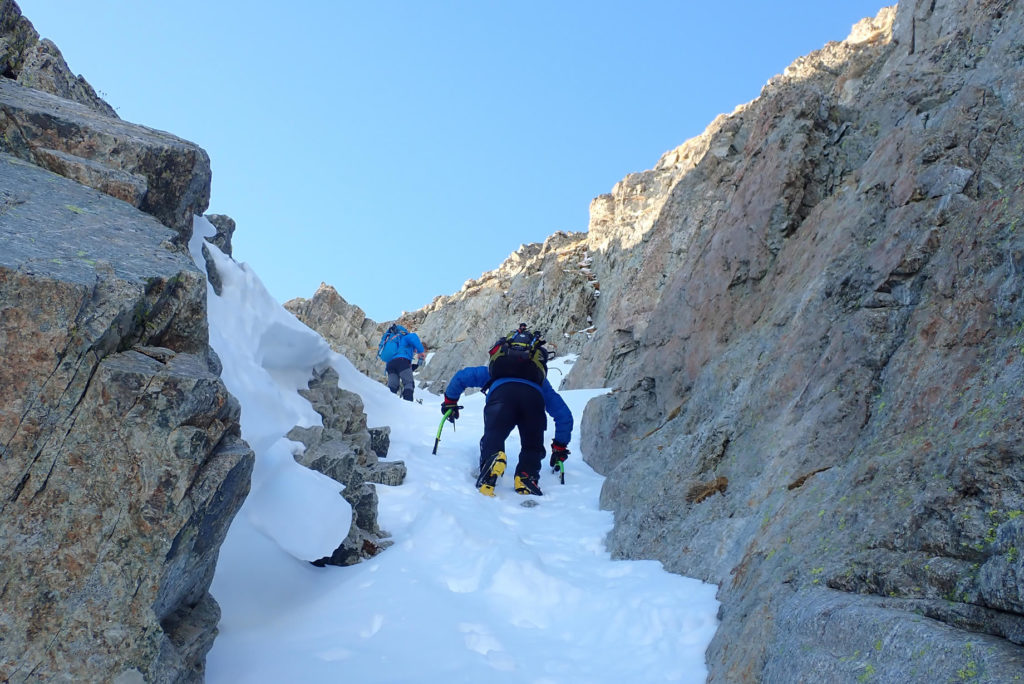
{"type": "Point", "coordinates": [513, 402]}
{"type": "Point", "coordinates": [396, 349]}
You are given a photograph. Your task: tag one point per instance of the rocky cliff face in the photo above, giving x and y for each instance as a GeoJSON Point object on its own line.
{"type": "Point", "coordinates": [819, 407]}
{"type": "Point", "coordinates": [157, 173]}
{"type": "Point", "coordinates": [56, 121]}
{"type": "Point", "coordinates": [812, 318]}
{"type": "Point", "coordinates": [121, 464]}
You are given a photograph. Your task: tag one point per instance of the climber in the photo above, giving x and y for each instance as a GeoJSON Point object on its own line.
{"type": "Point", "coordinates": [518, 394]}
{"type": "Point", "coordinates": [396, 349]}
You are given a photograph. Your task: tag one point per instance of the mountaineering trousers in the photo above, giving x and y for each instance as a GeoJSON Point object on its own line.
{"type": "Point", "coordinates": [400, 369]}
{"type": "Point", "coordinates": [511, 405]}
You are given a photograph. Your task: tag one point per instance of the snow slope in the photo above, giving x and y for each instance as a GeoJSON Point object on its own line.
{"type": "Point", "coordinates": [473, 589]}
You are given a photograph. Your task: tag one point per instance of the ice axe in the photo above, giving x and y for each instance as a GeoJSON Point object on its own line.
{"type": "Point", "coordinates": [560, 469]}
{"type": "Point", "coordinates": [446, 416]}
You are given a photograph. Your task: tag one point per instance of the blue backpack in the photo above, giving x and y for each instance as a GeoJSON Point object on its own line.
{"type": "Point", "coordinates": [390, 342]}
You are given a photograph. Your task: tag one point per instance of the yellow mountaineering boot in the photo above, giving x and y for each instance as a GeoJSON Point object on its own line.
{"type": "Point", "coordinates": [490, 471]}
{"type": "Point", "coordinates": [527, 484]}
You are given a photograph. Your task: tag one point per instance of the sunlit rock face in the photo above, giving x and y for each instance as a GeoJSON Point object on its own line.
{"type": "Point", "coordinates": [549, 286]}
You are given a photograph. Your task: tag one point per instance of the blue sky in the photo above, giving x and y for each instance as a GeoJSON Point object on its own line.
{"type": "Point", "coordinates": [395, 150]}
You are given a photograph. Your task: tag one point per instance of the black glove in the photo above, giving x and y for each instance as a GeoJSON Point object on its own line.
{"type": "Point", "coordinates": [559, 452]}
{"type": "Point", "coordinates": [415, 366]}
{"type": "Point", "coordinates": [453, 405]}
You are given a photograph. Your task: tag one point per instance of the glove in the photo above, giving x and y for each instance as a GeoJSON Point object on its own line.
{"type": "Point", "coordinates": [415, 366]}
{"type": "Point", "coordinates": [450, 404]}
{"type": "Point", "coordinates": [559, 453]}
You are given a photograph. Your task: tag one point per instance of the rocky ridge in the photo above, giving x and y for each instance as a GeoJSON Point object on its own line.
{"type": "Point", "coordinates": [38, 63]}
{"type": "Point", "coordinates": [551, 283]}
{"type": "Point", "coordinates": [56, 121]}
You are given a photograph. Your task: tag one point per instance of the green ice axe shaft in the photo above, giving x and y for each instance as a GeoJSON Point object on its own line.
{"type": "Point", "coordinates": [437, 439]}
{"type": "Point", "coordinates": [560, 469]}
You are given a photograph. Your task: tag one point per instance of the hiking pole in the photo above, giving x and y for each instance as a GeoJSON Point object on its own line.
{"type": "Point", "coordinates": [446, 416]}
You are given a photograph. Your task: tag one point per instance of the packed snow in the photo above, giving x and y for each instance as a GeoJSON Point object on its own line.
{"type": "Point", "coordinates": [473, 589]}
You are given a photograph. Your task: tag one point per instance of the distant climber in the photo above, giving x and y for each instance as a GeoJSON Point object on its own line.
{"type": "Point", "coordinates": [518, 394]}
{"type": "Point", "coordinates": [396, 349]}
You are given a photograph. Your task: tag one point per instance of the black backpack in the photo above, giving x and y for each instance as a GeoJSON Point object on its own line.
{"type": "Point", "coordinates": [520, 354]}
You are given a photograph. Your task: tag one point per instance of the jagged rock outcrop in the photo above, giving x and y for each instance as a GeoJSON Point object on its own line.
{"type": "Point", "coordinates": [121, 464]}
{"type": "Point", "coordinates": [38, 63]}
{"type": "Point", "coordinates": [225, 229]}
{"type": "Point", "coordinates": [343, 449]}
{"type": "Point", "coordinates": [345, 327]}
{"type": "Point", "coordinates": [225, 226]}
